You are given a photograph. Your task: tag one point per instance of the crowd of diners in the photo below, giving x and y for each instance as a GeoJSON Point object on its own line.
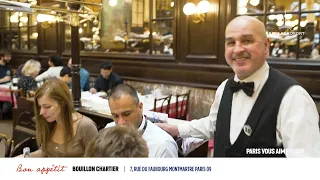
{"type": "Point", "coordinates": [63, 132]}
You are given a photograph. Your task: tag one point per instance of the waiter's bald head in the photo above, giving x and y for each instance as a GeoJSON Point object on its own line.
{"type": "Point", "coordinates": [246, 45]}
{"type": "Point", "coordinates": [248, 21]}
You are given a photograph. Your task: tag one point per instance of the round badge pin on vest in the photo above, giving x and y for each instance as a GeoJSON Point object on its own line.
{"type": "Point", "coordinates": [247, 130]}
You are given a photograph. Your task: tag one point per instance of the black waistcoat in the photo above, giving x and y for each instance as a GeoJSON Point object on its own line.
{"type": "Point", "coordinates": [262, 120]}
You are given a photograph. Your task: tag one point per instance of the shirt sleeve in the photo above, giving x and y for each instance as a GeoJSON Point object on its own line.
{"type": "Point", "coordinates": [45, 75]}
{"type": "Point", "coordinates": [298, 123]}
{"type": "Point", "coordinates": [167, 149]}
{"type": "Point", "coordinates": [89, 131]}
{"type": "Point", "coordinates": [97, 84]}
{"type": "Point", "coordinates": [84, 76]}
{"type": "Point", "coordinates": [119, 81]}
{"type": "Point", "coordinates": [204, 128]}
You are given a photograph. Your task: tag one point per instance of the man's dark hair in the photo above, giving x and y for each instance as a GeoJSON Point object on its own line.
{"type": "Point", "coordinates": [65, 70]}
{"type": "Point", "coordinates": [124, 89]}
{"type": "Point", "coordinates": [6, 53]}
{"type": "Point", "coordinates": [106, 65]}
{"type": "Point", "coordinates": [56, 60]}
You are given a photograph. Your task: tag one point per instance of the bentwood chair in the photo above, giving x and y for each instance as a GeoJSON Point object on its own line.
{"type": "Point", "coordinates": [29, 142]}
{"type": "Point", "coordinates": [165, 104]}
{"type": "Point", "coordinates": [182, 105]}
{"type": "Point", "coordinates": [7, 144]}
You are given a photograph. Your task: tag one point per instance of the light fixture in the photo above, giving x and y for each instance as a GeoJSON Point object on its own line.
{"type": "Point", "coordinates": [172, 4]}
{"type": "Point", "coordinates": [113, 3]}
{"type": "Point", "coordinates": [203, 7]}
{"type": "Point", "coordinates": [279, 17]}
{"type": "Point", "coordinates": [242, 3]}
{"type": "Point", "coordinates": [189, 9]}
{"type": "Point", "coordinates": [280, 23]}
{"type": "Point", "coordinates": [198, 12]}
{"type": "Point", "coordinates": [24, 19]}
{"type": "Point", "coordinates": [14, 18]}
{"type": "Point", "coordinates": [242, 10]}
{"type": "Point", "coordinates": [288, 16]}
{"type": "Point", "coordinates": [254, 2]}
{"type": "Point", "coordinates": [46, 14]}
{"type": "Point", "coordinates": [272, 17]}
{"type": "Point", "coordinates": [35, 35]}
{"type": "Point", "coordinates": [45, 20]}
{"type": "Point", "coordinates": [44, 17]}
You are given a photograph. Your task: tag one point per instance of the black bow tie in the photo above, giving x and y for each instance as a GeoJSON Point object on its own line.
{"type": "Point", "coordinates": [246, 87]}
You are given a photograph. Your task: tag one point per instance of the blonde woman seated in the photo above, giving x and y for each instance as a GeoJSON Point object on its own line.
{"type": "Point", "coordinates": [27, 80]}
{"type": "Point", "coordinates": [60, 130]}
{"type": "Point", "coordinates": [118, 141]}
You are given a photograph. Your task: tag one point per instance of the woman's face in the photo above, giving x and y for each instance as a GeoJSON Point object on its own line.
{"type": "Point", "coordinates": [49, 109]}
{"type": "Point", "coordinates": [35, 74]}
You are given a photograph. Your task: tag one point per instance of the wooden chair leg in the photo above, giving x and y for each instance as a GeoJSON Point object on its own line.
{"type": "Point", "coordinates": [1, 106]}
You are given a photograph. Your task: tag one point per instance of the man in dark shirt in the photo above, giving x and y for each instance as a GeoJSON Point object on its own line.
{"type": "Point", "coordinates": [65, 75]}
{"type": "Point", "coordinates": [5, 76]}
{"type": "Point", "coordinates": [107, 79]}
{"type": "Point", "coordinates": [5, 72]}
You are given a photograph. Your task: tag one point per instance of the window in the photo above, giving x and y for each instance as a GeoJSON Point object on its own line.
{"type": "Point", "coordinates": [129, 26]}
{"type": "Point", "coordinates": [292, 27]}
{"type": "Point", "coordinates": [18, 31]}
{"type": "Point", "coordinates": [137, 13]}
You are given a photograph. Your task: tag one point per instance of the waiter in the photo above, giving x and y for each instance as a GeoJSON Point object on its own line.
{"type": "Point", "coordinates": [259, 111]}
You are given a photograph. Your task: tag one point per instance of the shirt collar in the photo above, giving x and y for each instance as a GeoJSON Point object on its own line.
{"type": "Point", "coordinates": [257, 77]}
{"type": "Point", "coordinates": [142, 123]}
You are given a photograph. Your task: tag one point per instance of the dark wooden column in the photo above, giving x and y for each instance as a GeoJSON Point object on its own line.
{"type": "Point", "coordinates": [76, 62]}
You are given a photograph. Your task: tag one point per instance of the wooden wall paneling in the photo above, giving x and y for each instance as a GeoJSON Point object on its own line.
{"type": "Point", "coordinates": [177, 30]}
{"type": "Point", "coordinates": [20, 58]}
{"type": "Point", "coordinates": [50, 39]}
{"type": "Point", "coordinates": [182, 30]}
{"type": "Point", "coordinates": [200, 39]}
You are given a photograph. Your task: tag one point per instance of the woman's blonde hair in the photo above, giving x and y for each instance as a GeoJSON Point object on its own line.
{"type": "Point", "coordinates": [117, 141]}
{"type": "Point", "coordinates": [58, 91]}
{"type": "Point", "coordinates": [30, 67]}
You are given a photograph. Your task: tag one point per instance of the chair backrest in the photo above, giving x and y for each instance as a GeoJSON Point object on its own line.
{"type": "Point", "coordinates": [24, 124]}
{"type": "Point", "coordinates": [164, 108]}
{"type": "Point", "coordinates": [182, 106]}
{"type": "Point", "coordinates": [7, 144]}
{"type": "Point", "coordinates": [29, 142]}
{"type": "Point", "coordinates": [16, 93]}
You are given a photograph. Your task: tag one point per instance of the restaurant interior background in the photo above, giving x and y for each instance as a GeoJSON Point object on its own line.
{"type": "Point", "coordinates": [175, 45]}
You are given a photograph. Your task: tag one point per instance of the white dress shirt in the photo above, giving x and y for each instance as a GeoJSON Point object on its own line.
{"type": "Point", "coordinates": [52, 72]}
{"type": "Point", "coordinates": [159, 142]}
{"type": "Point", "coordinates": [315, 54]}
{"type": "Point", "coordinates": [276, 52]}
{"type": "Point", "coordinates": [297, 121]}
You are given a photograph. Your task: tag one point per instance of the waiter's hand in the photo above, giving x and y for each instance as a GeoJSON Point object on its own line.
{"type": "Point", "coordinates": [171, 129]}
{"type": "Point", "coordinates": [93, 90]}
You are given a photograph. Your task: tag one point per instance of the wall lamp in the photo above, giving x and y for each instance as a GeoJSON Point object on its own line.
{"type": "Point", "coordinates": [46, 20]}
{"type": "Point", "coordinates": [198, 13]}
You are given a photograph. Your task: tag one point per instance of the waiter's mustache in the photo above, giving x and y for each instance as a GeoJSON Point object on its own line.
{"type": "Point", "coordinates": [242, 55]}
